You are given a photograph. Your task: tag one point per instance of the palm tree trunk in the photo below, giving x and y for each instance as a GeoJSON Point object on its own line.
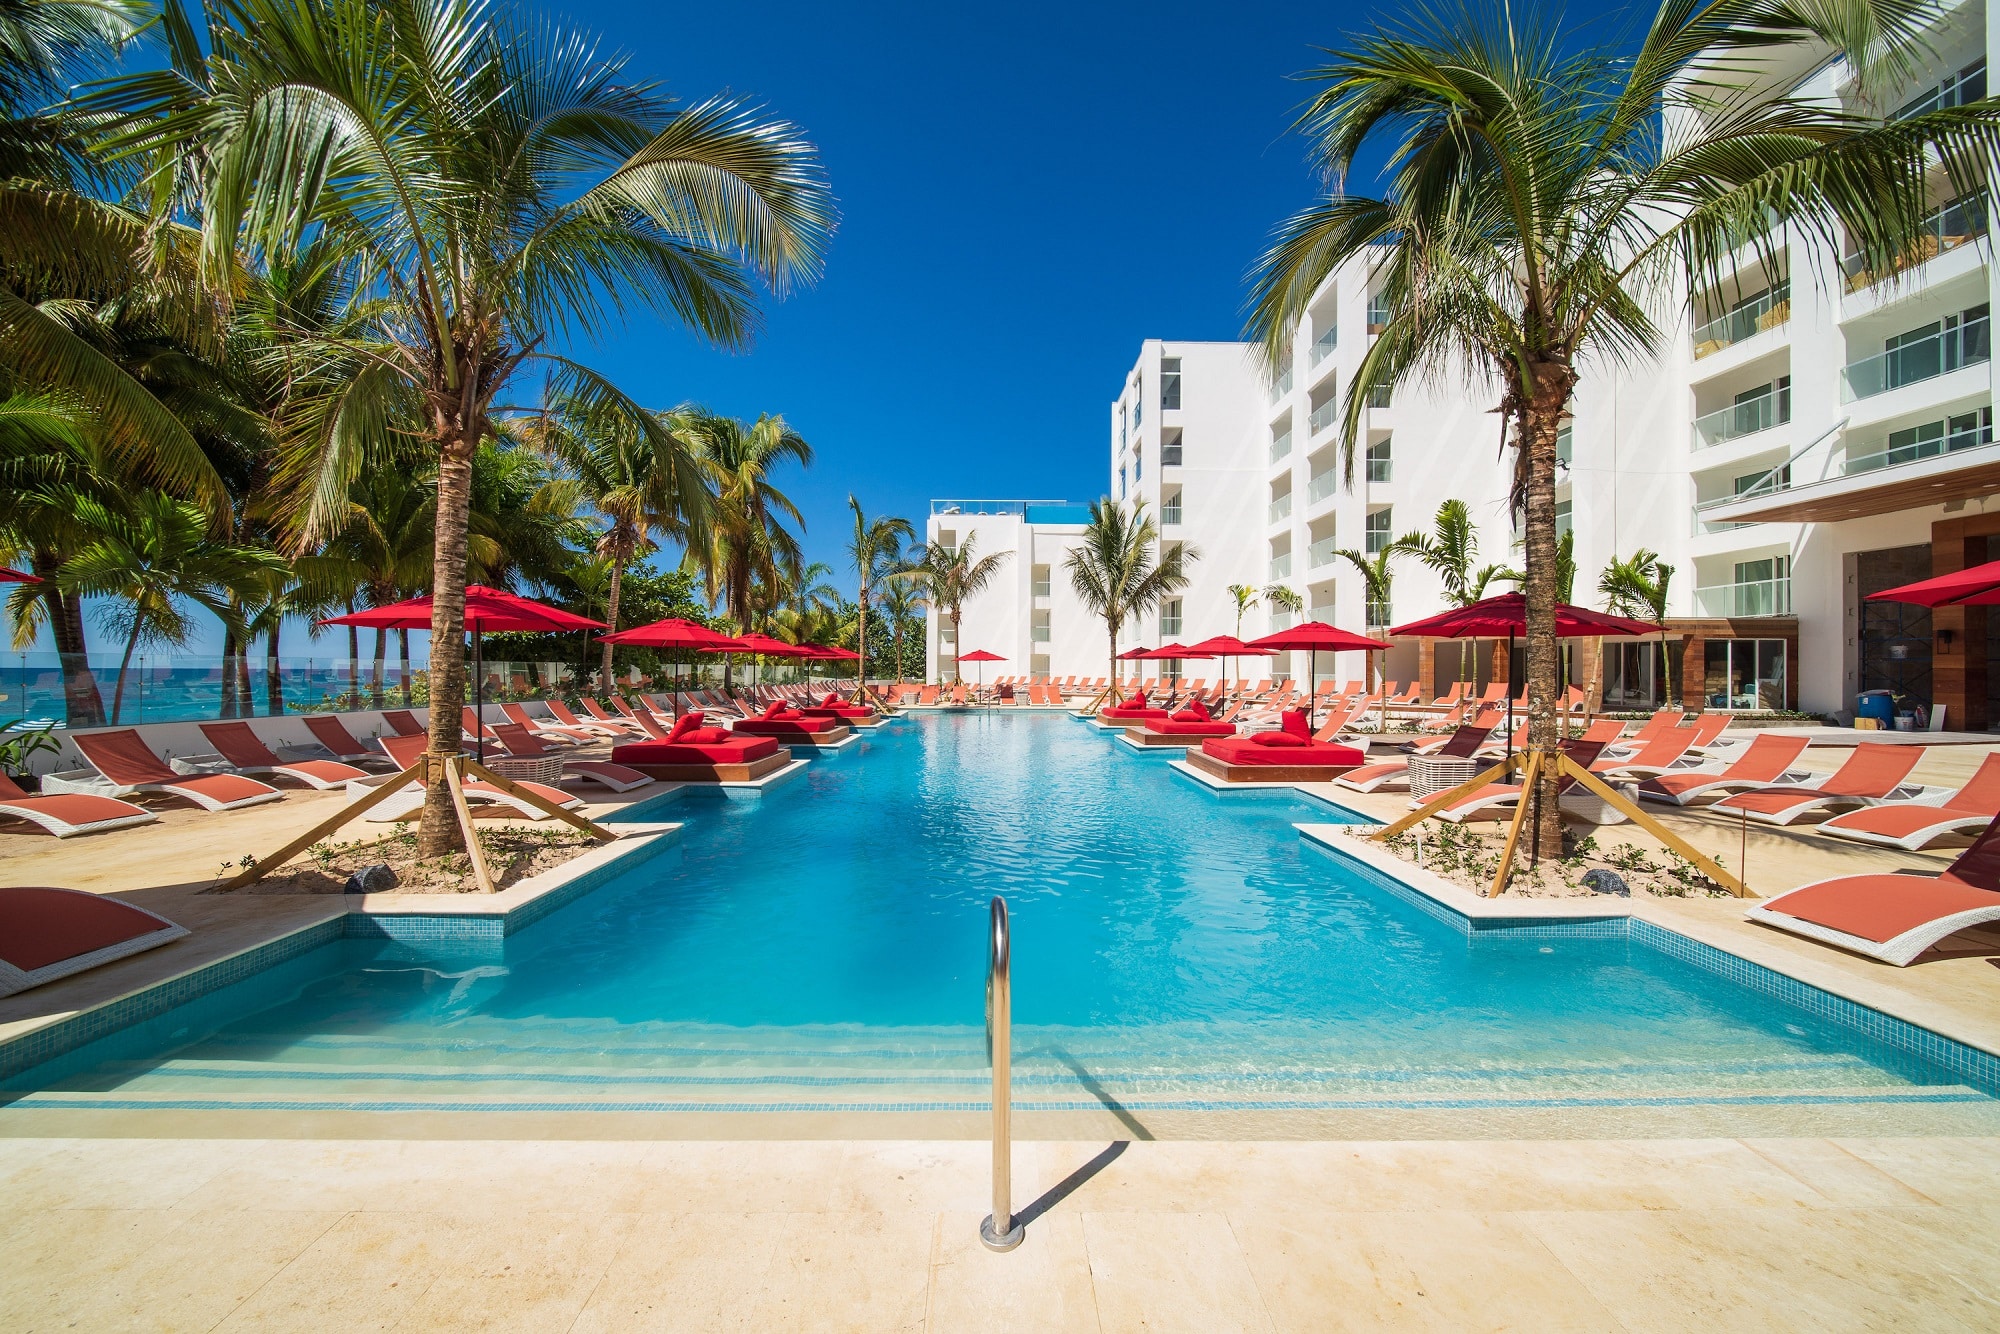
{"type": "Point", "coordinates": [440, 832]}
{"type": "Point", "coordinates": [353, 657]}
{"type": "Point", "coordinates": [611, 612]}
{"type": "Point", "coordinates": [1112, 627]}
{"type": "Point", "coordinates": [118, 695]}
{"type": "Point", "coordinates": [404, 636]}
{"type": "Point", "coordinates": [956, 645]}
{"type": "Point", "coordinates": [231, 705]}
{"type": "Point", "coordinates": [274, 679]}
{"type": "Point", "coordinates": [381, 656]}
{"type": "Point", "coordinates": [83, 704]}
{"type": "Point", "coordinates": [1539, 421]}
{"type": "Point", "coordinates": [861, 635]}
{"type": "Point", "coordinates": [245, 700]}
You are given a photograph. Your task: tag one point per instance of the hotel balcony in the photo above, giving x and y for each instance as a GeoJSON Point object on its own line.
{"type": "Point", "coordinates": [1281, 566]}
{"type": "Point", "coordinates": [1743, 419]}
{"type": "Point", "coordinates": [1322, 484]}
{"type": "Point", "coordinates": [1967, 344]}
{"type": "Point", "coordinates": [1325, 415]}
{"type": "Point", "coordinates": [1952, 457]}
{"type": "Point", "coordinates": [1279, 388]}
{"type": "Point", "coordinates": [1956, 224]}
{"type": "Point", "coordinates": [1324, 345]}
{"type": "Point", "coordinates": [1323, 552]}
{"type": "Point", "coordinates": [1763, 597]}
{"type": "Point", "coordinates": [1769, 311]}
{"type": "Point", "coordinates": [1281, 508]}
{"type": "Point", "coordinates": [1281, 447]}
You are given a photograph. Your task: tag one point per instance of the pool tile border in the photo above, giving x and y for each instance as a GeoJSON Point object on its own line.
{"type": "Point", "coordinates": [484, 923]}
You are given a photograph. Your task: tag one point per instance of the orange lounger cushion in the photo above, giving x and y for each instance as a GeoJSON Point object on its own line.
{"type": "Point", "coordinates": [1881, 907]}
{"type": "Point", "coordinates": [50, 933]}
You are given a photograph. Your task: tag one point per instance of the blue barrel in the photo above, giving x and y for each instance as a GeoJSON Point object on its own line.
{"type": "Point", "coordinates": [1877, 704]}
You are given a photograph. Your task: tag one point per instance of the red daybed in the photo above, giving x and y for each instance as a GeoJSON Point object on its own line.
{"type": "Point", "coordinates": [692, 753]}
{"type": "Point", "coordinates": [1286, 756]}
{"type": "Point", "coordinates": [833, 706]}
{"type": "Point", "coordinates": [808, 729]}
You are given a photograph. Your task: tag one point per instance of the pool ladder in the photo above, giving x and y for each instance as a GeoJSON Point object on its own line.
{"type": "Point", "coordinates": [1001, 1231]}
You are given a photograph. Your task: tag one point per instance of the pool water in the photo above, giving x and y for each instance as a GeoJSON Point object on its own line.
{"type": "Point", "coordinates": [821, 946]}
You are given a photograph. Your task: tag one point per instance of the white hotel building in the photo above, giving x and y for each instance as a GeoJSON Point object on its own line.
{"type": "Point", "coordinates": [1803, 438]}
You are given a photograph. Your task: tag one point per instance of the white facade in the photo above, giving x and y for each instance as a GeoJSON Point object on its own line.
{"type": "Point", "coordinates": [1788, 449]}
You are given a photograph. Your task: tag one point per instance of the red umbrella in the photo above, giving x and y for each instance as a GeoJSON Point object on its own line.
{"type": "Point", "coordinates": [1175, 652]}
{"type": "Point", "coordinates": [8, 576]}
{"type": "Point", "coordinates": [485, 609]}
{"type": "Point", "coordinates": [1133, 654]}
{"type": "Point", "coordinates": [1976, 587]}
{"type": "Point", "coordinates": [1229, 646]}
{"type": "Point", "coordinates": [1508, 615]}
{"type": "Point", "coordinates": [1312, 636]}
{"type": "Point", "coordinates": [980, 655]}
{"type": "Point", "coordinates": [674, 632]}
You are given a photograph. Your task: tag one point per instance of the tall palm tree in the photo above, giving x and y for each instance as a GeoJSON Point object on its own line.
{"type": "Point", "coordinates": [746, 538]}
{"type": "Point", "coordinates": [1637, 587]}
{"type": "Point", "coordinates": [388, 543]}
{"type": "Point", "coordinates": [642, 482]}
{"type": "Point", "coordinates": [1284, 597]}
{"type": "Point", "coordinates": [948, 577]}
{"type": "Point", "coordinates": [151, 553]}
{"type": "Point", "coordinates": [1378, 579]}
{"type": "Point", "coordinates": [899, 600]}
{"type": "Point", "coordinates": [503, 187]}
{"type": "Point", "coordinates": [1545, 195]}
{"type": "Point", "coordinates": [876, 550]}
{"type": "Point", "coordinates": [1119, 570]}
{"type": "Point", "coordinates": [1450, 550]}
{"type": "Point", "coordinates": [1245, 597]}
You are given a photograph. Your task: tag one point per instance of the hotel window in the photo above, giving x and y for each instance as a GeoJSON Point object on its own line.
{"type": "Point", "coordinates": [1041, 573]}
{"type": "Point", "coordinates": [1170, 384]}
{"type": "Point", "coordinates": [1138, 402]}
{"type": "Point", "coordinates": [1170, 449]}
{"type": "Point", "coordinates": [1138, 466]}
{"type": "Point", "coordinates": [1562, 518]}
{"type": "Point", "coordinates": [1745, 674]}
{"type": "Point", "coordinates": [1378, 312]}
{"type": "Point", "coordinates": [1564, 447]}
{"type": "Point", "coordinates": [1170, 509]}
{"type": "Point", "coordinates": [1170, 618]}
{"type": "Point", "coordinates": [1377, 530]}
{"type": "Point", "coordinates": [1380, 461]}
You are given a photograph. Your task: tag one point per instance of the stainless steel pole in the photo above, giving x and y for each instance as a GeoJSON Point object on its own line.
{"type": "Point", "coordinates": [1000, 1232]}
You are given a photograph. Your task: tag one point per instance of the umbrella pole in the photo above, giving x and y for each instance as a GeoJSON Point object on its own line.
{"type": "Point", "coordinates": [1510, 695]}
{"type": "Point", "coordinates": [479, 694]}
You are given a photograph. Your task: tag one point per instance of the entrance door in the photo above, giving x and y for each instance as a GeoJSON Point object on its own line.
{"type": "Point", "coordinates": [1895, 637]}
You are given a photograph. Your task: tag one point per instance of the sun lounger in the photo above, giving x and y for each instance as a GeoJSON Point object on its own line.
{"type": "Point", "coordinates": [1460, 745]}
{"type": "Point", "coordinates": [1921, 821]}
{"type": "Point", "coordinates": [47, 933]}
{"type": "Point", "coordinates": [1891, 916]}
{"type": "Point", "coordinates": [1604, 731]}
{"type": "Point", "coordinates": [1768, 759]}
{"type": "Point", "coordinates": [330, 732]}
{"type": "Point", "coordinates": [245, 752]}
{"type": "Point", "coordinates": [403, 722]}
{"type": "Point", "coordinates": [404, 750]}
{"type": "Point", "coordinates": [129, 765]}
{"type": "Point", "coordinates": [520, 717]}
{"type": "Point", "coordinates": [1875, 772]}
{"type": "Point", "coordinates": [1659, 722]}
{"type": "Point", "coordinates": [619, 778]}
{"type": "Point", "coordinates": [68, 814]}
{"type": "Point", "coordinates": [1498, 800]}
{"type": "Point", "coordinates": [605, 718]}
{"type": "Point", "coordinates": [1663, 753]}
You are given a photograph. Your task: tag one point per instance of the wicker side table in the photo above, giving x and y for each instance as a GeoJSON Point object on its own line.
{"type": "Point", "coordinates": [544, 769]}
{"type": "Point", "coordinates": [1432, 774]}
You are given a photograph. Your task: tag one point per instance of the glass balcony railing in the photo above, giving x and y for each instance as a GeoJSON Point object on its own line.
{"type": "Point", "coordinates": [1039, 634]}
{"type": "Point", "coordinates": [1281, 566]}
{"type": "Point", "coordinates": [1377, 539]}
{"type": "Point", "coordinates": [1042, 587]}
{"type": "Point", "coordinates": [1378, 616]}
{"type": "Point", "coordinates": [1378, 397]}
{"type": "Point", "coordinates": [1767, 311]}
{"type": "Point", "coordinates": [1322, 485]}
{"type": "Point", "coordinates": [1921, 359]}
{"type": "Point", "coordinates": [1950, 227]}
{"type": "Point", "coordinates": [1763, 597]}
{"type": "Point", "coordinates": [1918, 444]}
{"type": "Point", "coordinates": [1170, 514]}
{"type": "Point", "coordinates": [1170, 456]}
{"type": "Point", "coordinates": [1323, 345]}
{"type": "Point", "coordinates": [1280, 386]}
{"type": "Point", "coordinates": [1281, 508]}
{"type": "Point", "coordinates": [1968, 85]}
{"type": "Point", "coordinates": [1746, 418]}
{"type": "Point", "coordinates": [1324, 415]}
{"type": "Point", "coordinates": [1281, 447]}
{"type": "Point", "coordinates": [1323, 552]}
{"type": "Point", "coordinates": [1379, 469]}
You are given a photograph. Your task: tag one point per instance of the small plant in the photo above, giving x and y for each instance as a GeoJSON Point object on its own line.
{"type": "Point", "coordinates": [18, 743]}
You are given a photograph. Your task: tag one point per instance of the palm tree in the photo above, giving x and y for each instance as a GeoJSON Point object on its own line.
{"type": "Point", "coordinates": [876, 550]}
{"type": "Point", "coordinates": [1637, 587]}
{"type": "Point", "coordinates": [642, 482]}
{"type": "Point", "coordinates": [1449, 550]}
{"type": "Point", "coordinates": [899, 599]}
{"type": "Point", "coordinates": [504, 188]}
{"type": "Point", "coordinates": [1545, 196]}
{"type": "Point", "coordinates": [1284, 597]}
{"type": "Point", "coordinates": [152, 553]}
{"type": "Point", "coordinates": [1246, 598]}
{"type": "Point", "coordinates": [1378, 577]}
{"type": "Point", "coordinates": [1116, 573]}
{"type": "Point", "coordinates": [948, 576]}
{"type": "Point", "coordinates": [747, 538]}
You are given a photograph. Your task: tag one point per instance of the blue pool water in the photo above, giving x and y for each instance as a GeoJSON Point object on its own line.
{"type": "Point", "coordinates": [822, 946]}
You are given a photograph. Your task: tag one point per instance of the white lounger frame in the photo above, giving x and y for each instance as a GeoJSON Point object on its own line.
{"type": "Point", "coordinates": [64, 829]}
{"type": "Point", "coordinates": [1898, 950]}
{"type": "Point", "coordinates": [14, 979]}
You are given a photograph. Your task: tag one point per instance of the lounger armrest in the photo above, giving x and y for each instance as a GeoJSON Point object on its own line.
{"type": "Point", "coordinates": [1912, 870]}
{"type": "Point", "coordinates": [85, 782]}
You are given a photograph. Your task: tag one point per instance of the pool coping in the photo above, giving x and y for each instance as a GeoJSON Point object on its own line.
{"type": "Point", "coordinates": [1882, 1013]}
{"type": "Point", "coordinates": [481, 921]}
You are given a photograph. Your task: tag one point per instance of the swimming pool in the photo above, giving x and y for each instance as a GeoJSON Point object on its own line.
{"type": "Point", "coordinates": [1178, 953]}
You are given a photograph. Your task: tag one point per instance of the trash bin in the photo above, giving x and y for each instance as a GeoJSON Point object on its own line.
{"type": "Point", "coordinates": [1906, 722]}
{"type": "Point", "coordinates": [1877, 704]}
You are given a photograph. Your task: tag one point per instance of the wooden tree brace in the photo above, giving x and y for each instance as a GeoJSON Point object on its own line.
{"type": "Point", "coordinates": [1521, 807]}
{"type": "Point", "coordinates": [1707, 866]}
{"type": "Point", "coordinates": [480, 874]}
{"type": "Point", "coordinates": [539, 802]}
{"type": "Point", "coordinates": [265, 865]}
{"type": "Point", "coordinates": [1444, 799]}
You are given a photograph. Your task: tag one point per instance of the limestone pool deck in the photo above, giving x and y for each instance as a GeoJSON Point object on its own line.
{"type": "Point", "coordinates": [185, 1224]}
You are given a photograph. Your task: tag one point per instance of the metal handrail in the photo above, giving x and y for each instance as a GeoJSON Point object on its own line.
{"type": "Point", "coordinates": [1000, 1231]}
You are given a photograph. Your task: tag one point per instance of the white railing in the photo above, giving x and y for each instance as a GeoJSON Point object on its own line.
{"type": "Point", "coordinates": [1746, 418]}
{"type": "Point", "coordinates": [1965, 344]}
{"type": "Point", "coordinates": [1324, 415]}
{"type": "Point", "coordinates": [1323, 345]}
{"type": "Point", "coordinates": [1281, 447]}
{"type": "Point", "coordinates": [1281, 508]}
{"type": "Point", "coordinates": [1761, 597]}
{"type": "Point", "coordinates": [1322, 485]}
{"type": "Point", "coordinates": [1766, 311]}
{"type": "Point", "coordinates": [1323, 552]}
{"type": "Point", "coordinates": [1968, 85]}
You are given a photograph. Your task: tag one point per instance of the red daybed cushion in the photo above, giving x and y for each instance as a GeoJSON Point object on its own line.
{"type": "Point", "coordinates": [1194, 711]}
{"type": "Point", "coordinates": [734, 750]}
{"type": "Point", "coordinates": [1286, 739]}
{"type": "Point", "coordinates": [1132, 711]}
{"type": "Point", "coordinates": [1175, 727]}
{"type": "Point", "coordinates": [1255, 750]}
{"type": "Point", "coordinates": [687, 722]}
{"type": "Point", "coordinates": [778, 727]}
{"type": "Point", "coordinates": [1293, 723]}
